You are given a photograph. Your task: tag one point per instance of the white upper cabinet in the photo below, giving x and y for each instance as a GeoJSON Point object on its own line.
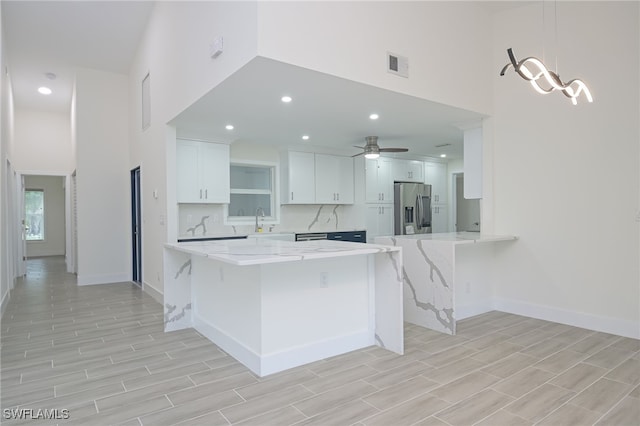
{"type": "Point", "coordinates": [473, 163]}
{"type": "Point", "coordinates": [379, 181]}
{"type": "Point", "coordinates": [435, 174]}
{"type": "Point", "coordinates": [334, 179]}
{"type": "Point", "coordinates": [408, 171]}
{"type": "Point", "coordinates": [309, 178]}
{"type": "Point", "coordinates": [298, 178]}
{"type": "Point", "coordinates": [202, 172]}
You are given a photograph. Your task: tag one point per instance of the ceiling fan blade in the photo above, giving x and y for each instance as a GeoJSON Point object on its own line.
{"type": "Point", "coordinates": [394, 149]}
{"type": "Point", "coordinates": [357, 155]}
{"type": "Point", "coordinates": [361, 147]}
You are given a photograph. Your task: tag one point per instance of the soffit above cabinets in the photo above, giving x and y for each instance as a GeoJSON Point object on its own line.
{"type": "Point", "coordinates": [333, 111]}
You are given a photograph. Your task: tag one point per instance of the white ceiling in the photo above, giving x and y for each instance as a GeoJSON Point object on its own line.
{"type": "Point", "coordinates": [58, 36]}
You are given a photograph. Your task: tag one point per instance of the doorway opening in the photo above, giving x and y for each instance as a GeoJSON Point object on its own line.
{"type": "Point", "coordinates": [466, 212]}
{"type": "Point", "coordinates": [136, 228]}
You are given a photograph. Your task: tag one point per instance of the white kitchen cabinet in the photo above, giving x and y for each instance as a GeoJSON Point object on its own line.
{"type": "Point", "coordinates": [435, 174]}
{"type": "Point", "coordinates": [439, 219]}
{"type": "Point", "coordinates": [334, 179]}
{"type": "Point", "coordinates": [379, 180]}
{"type": "Point", "coordinates": [379, 221]}
{"type": "Point", "coordinates": [202, 172]}
{"type": "Point", "coordinates": [473, 163]}
{"type": "Point", "coordinates": [408, 171]}
{"type": "Point", "coordinates": [298, 178]}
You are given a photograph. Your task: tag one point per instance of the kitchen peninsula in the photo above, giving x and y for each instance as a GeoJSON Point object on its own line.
{"type": "Point", "coordinates": [446, 276]}
{"type": "Point", "coordinates": [274, 305]}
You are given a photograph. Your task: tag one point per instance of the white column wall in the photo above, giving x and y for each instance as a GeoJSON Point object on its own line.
{"type": "Point", "coordinates": [448, 44]}
{"type": "Point", "coordinates": [566, 178]}
{"type": "Point", "coordinates": [175, 52]}
{"type": "Point", "coordinates": [103, 199]}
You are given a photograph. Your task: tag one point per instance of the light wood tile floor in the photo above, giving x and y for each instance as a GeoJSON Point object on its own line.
{"type": "Point", "coordinates": [100, 352]}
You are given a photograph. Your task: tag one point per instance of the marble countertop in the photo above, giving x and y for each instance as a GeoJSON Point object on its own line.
{"type": "Point", "coordinates": [458, 237]}
{"type": "Point", "coordinates": [257, 251]}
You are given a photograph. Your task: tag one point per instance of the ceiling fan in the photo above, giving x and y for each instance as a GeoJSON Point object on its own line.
{"type": "Point", "coordinates": [372, 150]}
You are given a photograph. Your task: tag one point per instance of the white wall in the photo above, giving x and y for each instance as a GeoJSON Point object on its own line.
{"type": "Point", "coordinates": [102, 177]}
{"type": "Point", "coordinates": [54, 215]}
{"type": "Point", "coordinates": [6, 274]}
{"type": "Point", "coordinates": [175, 52]}
{"type": "Point", "coordinates": [42, 142]}
{"type": "Point", "coordinates": [566, 178]}
{"type": "Point", "coordinates": [448, 45]}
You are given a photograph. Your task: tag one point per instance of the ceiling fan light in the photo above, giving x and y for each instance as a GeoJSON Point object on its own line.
{"type": "Point", "coordinates": [371, 155]}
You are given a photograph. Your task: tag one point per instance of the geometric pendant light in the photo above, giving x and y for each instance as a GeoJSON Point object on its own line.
{"type": "Point", "coordinates": [534, 71]}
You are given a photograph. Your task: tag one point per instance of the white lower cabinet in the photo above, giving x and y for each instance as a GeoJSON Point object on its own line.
{"type": "Point", "coordinates": [439, 219]}
{"type": "Point", "coordinates": [379, 221]}
{"type": "Point", "coordinates": [202, 171]}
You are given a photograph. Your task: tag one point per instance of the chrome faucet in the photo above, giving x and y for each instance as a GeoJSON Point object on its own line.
{"type": "Point", "coordinates": [259, 211]}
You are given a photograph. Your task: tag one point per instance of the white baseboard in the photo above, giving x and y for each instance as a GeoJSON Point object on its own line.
{"type": "Point", "coordinates": [604, 324]}
{"type": "Point", "coordinates": [5, 301]}
{"type": "Point", "coordinates": [288, 358]}
{"type": "Point", "coordinates": [103, 279]}
{"type": "Point", "coordinates": [472, 309]}
{"type": "Point", "coordinates": [153, 292]}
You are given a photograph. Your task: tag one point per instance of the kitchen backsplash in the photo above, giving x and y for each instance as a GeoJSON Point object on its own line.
{"type": "Point", "coordinates": [203, 220]}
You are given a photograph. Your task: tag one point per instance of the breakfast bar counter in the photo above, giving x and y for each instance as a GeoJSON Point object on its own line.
{"type": "Point", "coordinates": [447, 276]}
{"type": "Point", "coordinates": [274, 305]}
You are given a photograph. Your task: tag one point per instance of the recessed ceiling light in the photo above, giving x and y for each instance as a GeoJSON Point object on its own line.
{"type": "Point", "coordinates": [286, 99]}
{"type": "Point", "coordinates": [443, 155]}
{"type": "Point", "coordinates": [44, 90]}
{"type": "Point", "coordinates": [305, 137]}
{"type": "Point", "coordinates": [374, 116]}
{"type": "Point", "coordinates": [229, 127]}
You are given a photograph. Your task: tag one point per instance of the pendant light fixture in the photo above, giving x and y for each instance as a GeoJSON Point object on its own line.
{"type": "Point", "coordinates": [542, 79]}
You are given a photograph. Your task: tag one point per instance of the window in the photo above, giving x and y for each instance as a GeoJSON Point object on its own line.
{"type": "Point", "coordinates": [34, 214]}
{"type": "Point", "coordinates": [252, 188]}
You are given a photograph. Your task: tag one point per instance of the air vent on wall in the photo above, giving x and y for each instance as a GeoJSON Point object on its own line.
{"type": "Point", "coordinates": [398, 65]}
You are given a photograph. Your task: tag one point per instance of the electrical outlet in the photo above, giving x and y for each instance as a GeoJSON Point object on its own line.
{"type": "Point", "coordinates": [324, 279]}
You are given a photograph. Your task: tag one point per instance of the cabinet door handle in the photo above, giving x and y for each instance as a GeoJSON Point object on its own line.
{"type": "Point", "coordinates": [291, 195]}
{"type": "Point", "coordinates": [206, 194]}
{"type": "Point", "coordinates": [338, 196]}
{"type": "Point", "coordinates": [201, 194]}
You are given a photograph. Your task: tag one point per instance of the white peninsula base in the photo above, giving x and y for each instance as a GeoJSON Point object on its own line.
{"type": "Point", "coordinates": [274, 305]}
{"type": "Point", "coordinates": [446, 276]}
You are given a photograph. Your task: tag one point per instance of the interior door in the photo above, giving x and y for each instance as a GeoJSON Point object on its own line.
{"type": "Point", "coordinates": [22, 245]}
{"type": "Point", "coordinates": [136, 228]}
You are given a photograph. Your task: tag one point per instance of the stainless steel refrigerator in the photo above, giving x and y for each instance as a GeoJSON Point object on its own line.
{"type": "Point", "coordinates": [412, 208]}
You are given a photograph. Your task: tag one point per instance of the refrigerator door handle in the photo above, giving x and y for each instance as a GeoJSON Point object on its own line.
{"type": "Point", "coordinates": [418, 212]}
